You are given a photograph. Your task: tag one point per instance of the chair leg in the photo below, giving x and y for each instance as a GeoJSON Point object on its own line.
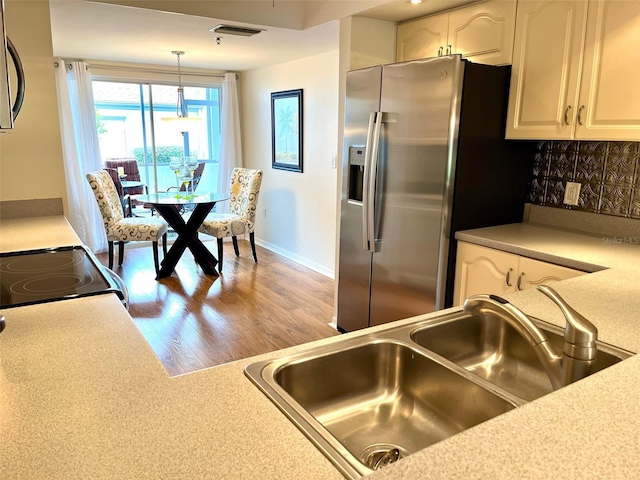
{"type": "Point", "coordinates": [164, 245]}
{"type": "Point", "coordinates": [219, 255]}
{"type": "Point", "coordinates": [120, 253]}
{"type": "Point", "coordinates": [234, 239]}
{"type": "Point", "coordinates": [110, 255]}
{"type": "Point", "coordinates": [252, 240]}
{"type": "Point", "coordinates": [156, 261]}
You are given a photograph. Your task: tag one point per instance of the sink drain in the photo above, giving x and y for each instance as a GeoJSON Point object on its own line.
{"type": "Point", "coordinates": [382, 454]}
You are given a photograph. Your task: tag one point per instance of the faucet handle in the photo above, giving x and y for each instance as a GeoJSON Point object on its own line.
{"type": "Point", "coordinates": [580, 334]}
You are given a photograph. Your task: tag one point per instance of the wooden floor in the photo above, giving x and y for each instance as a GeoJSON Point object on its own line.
{"type": "Point", "coordinates": [194, 321]}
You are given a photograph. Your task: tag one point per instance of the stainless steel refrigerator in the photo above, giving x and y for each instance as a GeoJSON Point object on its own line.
{"type": "Point", "coordinates": [424, 156]}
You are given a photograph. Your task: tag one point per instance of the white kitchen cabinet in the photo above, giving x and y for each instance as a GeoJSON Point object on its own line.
{"type": "Point", "coordinates": [422, 38]}
{"type": "Point", "coordinates": [575, 65]}
{"type": "Point", "coordinates": [487, 270]}
{"type": "Point", "coordinates": [482, 32]}
{"type": "Point", "coordinates": [532, 273]}
{"type": "Point", "coordinates": [483, 270]}
{"type": "Point", "coordinates": [609, 106]}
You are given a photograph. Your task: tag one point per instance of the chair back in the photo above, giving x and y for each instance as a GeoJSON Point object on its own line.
{"type": "Point", "coordinates": [107, 197]}
{"type": "Point", "coordinates": [245, 187]}
{"type": "Point", "coordinates": [131, 170]}
{"type": "Point", "coordinates": [116, 180]}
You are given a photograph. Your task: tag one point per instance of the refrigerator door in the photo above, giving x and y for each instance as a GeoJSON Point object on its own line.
{"type": "Point", "coordinates": [414, 170]}
{"type": "Point", "coordinates": [363, 99]}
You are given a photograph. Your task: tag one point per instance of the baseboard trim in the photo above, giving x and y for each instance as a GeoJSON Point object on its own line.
{"type": "Point", "coordinates": [296, 258]}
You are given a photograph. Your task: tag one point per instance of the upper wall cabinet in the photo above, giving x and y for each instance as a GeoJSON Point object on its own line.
{"type": "Point", "coordinates": [423, 38]}
{"type": "Point", "coordinates": [575, 71]}
{"type": "Point", "coordinates": [482, 32]}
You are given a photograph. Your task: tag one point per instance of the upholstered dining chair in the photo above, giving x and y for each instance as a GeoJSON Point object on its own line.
{"type": "Point", "coordinates": [123, 229]}
{"type": "Point", "coordinates": [243, 200]}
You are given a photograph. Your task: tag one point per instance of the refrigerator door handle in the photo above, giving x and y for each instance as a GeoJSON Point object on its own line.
{"type": "Point", "coordinates": [365, 181]}
{"type": "Point", "coordinates": [373, 172]}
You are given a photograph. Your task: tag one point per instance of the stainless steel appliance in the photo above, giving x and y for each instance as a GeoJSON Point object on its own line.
{"type": "Point", "coordinates": [46, 275]}
{"type": "Point", "coordinates": [424, 156]}
{"type": "Point", "coordinates": [9, 108]}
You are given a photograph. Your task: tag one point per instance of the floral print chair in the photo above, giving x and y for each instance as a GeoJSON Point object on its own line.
{"type": "Point", "coordinates": [123, 229]}
{"type": "Point", "coordinates": [243, 200]}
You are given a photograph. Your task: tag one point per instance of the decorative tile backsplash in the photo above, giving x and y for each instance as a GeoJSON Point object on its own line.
{"type": "Point", "coordinates": [609, 174]}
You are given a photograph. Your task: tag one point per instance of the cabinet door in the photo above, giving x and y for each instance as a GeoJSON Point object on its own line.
{"type": "Point", "coordinates": [547, 57]}
{"type": "Point", "coordinates": [609, 94]}
{"type": "Point", "coordinates": [483, 270]}
{"type": "Point", "coordinates": [421, 38]}
{"type": "Point", "coordinates": [483, 33]}
{"type": "Point", "coordinates": [534, 272]}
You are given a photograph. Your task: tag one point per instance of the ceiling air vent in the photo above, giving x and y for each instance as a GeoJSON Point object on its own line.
{"type": "Point", "coordinates": [236, 30]}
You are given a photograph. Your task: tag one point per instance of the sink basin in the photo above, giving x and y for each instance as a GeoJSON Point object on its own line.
{"type": "Point", "coordinates": [369, 400]}
{"type": "Point", "coordinates": [492, 349]}
{"type": "Point", "coordinates": [373, 403]}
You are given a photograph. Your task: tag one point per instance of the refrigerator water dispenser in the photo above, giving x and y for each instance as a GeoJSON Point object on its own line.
{"type": "Point", "coordinates": [356, 172]}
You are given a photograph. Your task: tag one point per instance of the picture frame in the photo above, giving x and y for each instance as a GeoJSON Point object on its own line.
{"type": "Point", "coordinates": [286, 130]}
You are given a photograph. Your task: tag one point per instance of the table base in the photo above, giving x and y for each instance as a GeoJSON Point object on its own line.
{"type": "Point", "coordinates": [187, 238]}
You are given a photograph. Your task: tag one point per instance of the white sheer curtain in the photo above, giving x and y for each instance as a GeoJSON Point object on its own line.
{"type": "Point", "coordinates": [80, 149]}
{"type": "Point", "coordinates": [230, 137]}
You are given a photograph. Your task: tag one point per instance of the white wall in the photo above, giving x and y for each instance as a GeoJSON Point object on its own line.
{"type": "Point", "coordinates": [300, 207]}
{"type": "Point", "coordinates": [31, 165]}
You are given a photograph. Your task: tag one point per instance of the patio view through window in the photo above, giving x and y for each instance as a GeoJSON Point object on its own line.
{"type": "Point", "coordinates": [134, 119]}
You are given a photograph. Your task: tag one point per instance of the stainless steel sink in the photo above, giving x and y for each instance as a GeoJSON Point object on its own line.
{"type": "Point", "coordinates": [368, 404]}
{"type": "Point", "coordinates": [492, 349]}
{"type": "Point", "coordinates": [366, 401]}
{"type": "Point", "coordinates": [386, 393]}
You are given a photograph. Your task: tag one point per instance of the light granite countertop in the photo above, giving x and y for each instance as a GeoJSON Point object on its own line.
{"type": "Point", "coordinates": [82, 395]}
{"type": "Point", "coordinates": [18, 234]}
{"type": "Point", "coordinates": [570, 248]}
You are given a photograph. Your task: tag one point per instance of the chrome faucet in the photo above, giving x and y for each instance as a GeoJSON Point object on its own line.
{"type": "Point", "coordinates": [580, 335]}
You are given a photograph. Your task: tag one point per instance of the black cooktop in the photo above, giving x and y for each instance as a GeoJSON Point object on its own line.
{"type": "Point", "coordinates": [47, 275]}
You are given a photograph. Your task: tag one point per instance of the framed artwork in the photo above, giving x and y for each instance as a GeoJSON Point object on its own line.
{"type": "Point", "coordinates": [286, 130]}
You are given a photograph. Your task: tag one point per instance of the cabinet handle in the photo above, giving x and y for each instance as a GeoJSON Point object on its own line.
{"type": "Point", "coordinates": [440, 51]}
{"type": "Point", "coordinates": [508, 279]}
{"type": "Point", "coordinates": [520, 281]}
{"type": "Point", "coordinates": [582, 107]}
{"type": "Point", "coordinates": [448, 49]}
{"type": "Point", "coordinates": [566, 114]}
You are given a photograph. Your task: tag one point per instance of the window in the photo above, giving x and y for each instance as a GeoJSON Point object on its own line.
{"type": "Point", "coordinates": [139, 120]}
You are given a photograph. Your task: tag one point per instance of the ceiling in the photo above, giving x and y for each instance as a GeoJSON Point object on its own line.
{"type": "Point", "coordinates": [146, 31]}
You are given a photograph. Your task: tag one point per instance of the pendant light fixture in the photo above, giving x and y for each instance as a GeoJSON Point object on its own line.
{"type": "Point", "coordinates": [182, 121]}
{"type": "Point", "coordinates": [181, 107]}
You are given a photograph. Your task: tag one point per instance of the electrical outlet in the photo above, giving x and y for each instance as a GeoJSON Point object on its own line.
{"type": "Point", "coordinates": [264, 213]}
{"type": "Point", "coordinates": [572, 193]}
{"type": "Point", "coordinates": [334, 160]}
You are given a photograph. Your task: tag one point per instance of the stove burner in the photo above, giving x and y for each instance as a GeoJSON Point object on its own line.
{"type": "Point", "coordinates": [51, 274]}
{"type": "Point", "coordinates": [46, 262]}
{"type": "Point", "coordinates": [60, 284]}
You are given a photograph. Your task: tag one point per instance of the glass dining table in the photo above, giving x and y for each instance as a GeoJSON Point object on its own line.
{"type": "Point", "coordinates": [168, 206]}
